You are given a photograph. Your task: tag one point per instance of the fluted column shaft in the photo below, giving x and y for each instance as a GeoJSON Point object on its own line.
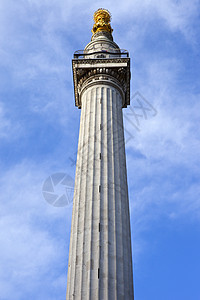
{"type": "Point", "coordinates": [100, 262]}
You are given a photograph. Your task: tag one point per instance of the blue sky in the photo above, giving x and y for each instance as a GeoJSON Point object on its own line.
{"type": "Point", "coordinates": [39, 127]}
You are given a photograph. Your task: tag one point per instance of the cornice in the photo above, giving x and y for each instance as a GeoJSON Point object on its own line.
{"type": "Point", "coordinates": [116, 68]}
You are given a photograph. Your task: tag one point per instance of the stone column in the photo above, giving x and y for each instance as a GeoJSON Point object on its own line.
{"type": "Point", "coordinates": [100, 258]}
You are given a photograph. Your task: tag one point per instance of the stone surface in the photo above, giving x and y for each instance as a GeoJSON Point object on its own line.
{"type": "Point", "coordinates": [100, 260]}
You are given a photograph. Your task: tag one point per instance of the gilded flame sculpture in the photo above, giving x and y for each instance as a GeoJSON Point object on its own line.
{"type": "Point", "coordinates": [102, 19]}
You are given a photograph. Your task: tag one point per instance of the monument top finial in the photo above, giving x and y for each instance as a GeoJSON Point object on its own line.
{"type": "Point", "coordinates": [102, 19]}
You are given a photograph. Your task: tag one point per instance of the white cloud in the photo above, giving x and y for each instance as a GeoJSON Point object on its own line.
{"type": "Point", "coordinates": [9, 129]}
{"type": "Point", "coordinates": [37, 41]}
{"type": "Point", "coordinates": [34, 236]}
{"type": "Point", "coordinates": [163, 157]}
{"type": "Point", "coordinates": [5, 124]}
{"type": "Point", "coordinates": [171, 134]}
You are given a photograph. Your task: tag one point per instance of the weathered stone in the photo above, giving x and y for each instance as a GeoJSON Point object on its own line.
{"type": "Point", "coordinates": [100, 259]}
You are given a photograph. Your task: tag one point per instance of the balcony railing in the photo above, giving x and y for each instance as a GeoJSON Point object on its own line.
{"type": "Point", "coordinates": [81, 54]}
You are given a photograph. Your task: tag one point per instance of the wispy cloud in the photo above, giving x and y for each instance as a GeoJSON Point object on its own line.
{"type": "Point", "coordinates": [9, 130]}
{"type": "Point", "coordinates": [39, 127]}
{"type": "Point", "coordinates": [33, 248]}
